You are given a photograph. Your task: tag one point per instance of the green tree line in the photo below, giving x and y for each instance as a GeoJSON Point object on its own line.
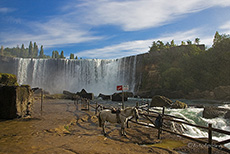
{"type": "Point", "coordinates": [189, 67]}
{"type": "Point", "coordinates": [31, 52]}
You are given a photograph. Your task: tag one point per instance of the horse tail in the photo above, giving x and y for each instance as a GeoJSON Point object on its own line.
{"type": "Point", "coordinates": [99, 119]}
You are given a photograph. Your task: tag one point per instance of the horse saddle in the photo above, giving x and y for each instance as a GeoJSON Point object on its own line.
{"type": "Point", "coordinates": [115, 111]}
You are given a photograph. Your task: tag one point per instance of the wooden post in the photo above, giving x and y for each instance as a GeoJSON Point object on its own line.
{"type": "Point", "coordinates": [123, 100]}
{"type": "Point", "coordinates": [87, 105]}
{"type": "Point", "coordinates": [209, 138]}
{"type": "Point", "coordinates": [41, 101]}
{"type": "Point", "coordinates": [159, 129]}
{"type": "Point", "coordinates": [148, 107]}
{"type": "Point", "coordinates": [96, 108]}
{"type": "Point", "coordinates": [137, 104]}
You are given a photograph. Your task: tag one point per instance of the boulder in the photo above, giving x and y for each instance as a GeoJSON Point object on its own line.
{"type": "Point", "coordinates": [160, 101]}
{"type": "Point", "coordinates": [105, 97]}
{"type": "Point", "coordinates": [84, 94]}
{"type": "Point", "coordinates": [69, 95]}
{"type": "Point", "coordinates": [227, 115]}
{"type": "Point", "coordinates": [179, 105]}
{"type": "Point", "coordinates": [118, 96]}
{"type": "Point", "coordinates": [15, 101]}
{"type": "Point", "coordinates": [37, 91]}
{"type": "Point", "coordinates": [8, 79]}
{"type": "Point", "coordinates": [214, 112]}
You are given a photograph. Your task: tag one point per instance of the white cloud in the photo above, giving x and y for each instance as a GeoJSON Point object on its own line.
{"type": "Point", "coordinates": [117, 51]}
{"type": "Point", "coordinates": [54, 32]}
{"type": "Point", "coordinates": [142, 46]}
{"type": "Point", "coordinates": [135, 14]}
{"type": "Point", "coordinates": [225, 28]}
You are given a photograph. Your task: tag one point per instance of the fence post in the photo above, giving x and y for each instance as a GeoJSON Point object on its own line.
{"type": "Point", "coordinates": [41, 101]}
{"type": "Point", "coordinates": [137, 104]}
{"type": "Point", "coordinates": [123, 100]}
{"type": "Point", "coordinates": [96, 108]}
{"type": "Point", "coordinates": [88, 105]}
{"type": "Point", "coordinates": [148, 107]}
{"type": "Point", "coordinates": [159, 129]}
{"type": "Point", "coordinates": [209, 138]}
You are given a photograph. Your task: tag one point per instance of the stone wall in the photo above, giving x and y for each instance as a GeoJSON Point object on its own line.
{"type": "Point", "coordinates": [15, 101]}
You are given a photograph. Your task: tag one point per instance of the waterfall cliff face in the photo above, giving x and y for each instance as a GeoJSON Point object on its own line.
{"type": "Point", "coordinates": [94, 75]}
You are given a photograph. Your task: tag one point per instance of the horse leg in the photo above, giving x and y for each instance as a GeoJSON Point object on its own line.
{"type": "Point", "coordinates": [123, 133]}
{"type": "Point", "coordinates": [103, 129]}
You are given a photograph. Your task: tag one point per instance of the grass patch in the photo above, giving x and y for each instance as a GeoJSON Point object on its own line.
{"type": "Point", "coordinates": [169, 144]}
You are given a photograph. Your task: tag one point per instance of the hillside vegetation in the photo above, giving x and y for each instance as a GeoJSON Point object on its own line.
{"type": "Point", "coordinates": [187, 68]}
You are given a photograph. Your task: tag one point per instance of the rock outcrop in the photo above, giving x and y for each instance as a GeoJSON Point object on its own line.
{"type": "Point", "coordinates": [84, 94]}
{"type": "Point", "coordinates": [15, 101]}
{"type": "Point", "coordinates": [179, 105]}
{"type": "Point", "coordinates": [160, 101]}
{"type": "Point", "coordinates": [214, 112]}
{"type": "Point", "coordinates": [105, 97]}
{"type": "Point", "coordinates": [70, 95]}
{"type": "Point", "coordinates": [118, 96]}
{"type": "Point", "coordinates": [8, 79]}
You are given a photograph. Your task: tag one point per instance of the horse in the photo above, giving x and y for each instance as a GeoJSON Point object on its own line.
{"type": "Point", "coordinates": [121, 117]}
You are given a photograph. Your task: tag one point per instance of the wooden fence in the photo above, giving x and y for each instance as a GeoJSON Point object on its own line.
{"type": "Point", "coordinates": [148, 114]}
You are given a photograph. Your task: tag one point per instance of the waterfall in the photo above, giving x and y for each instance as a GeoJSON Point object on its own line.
{"type": "Point", "coordinates": [93, 75]}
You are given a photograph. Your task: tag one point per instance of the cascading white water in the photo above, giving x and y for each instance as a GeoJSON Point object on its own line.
{"type": "Point", "coordinates": [94, 75]}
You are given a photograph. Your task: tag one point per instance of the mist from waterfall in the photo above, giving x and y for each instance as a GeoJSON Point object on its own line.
{"type": "Point", "coordinates": [94, 75]}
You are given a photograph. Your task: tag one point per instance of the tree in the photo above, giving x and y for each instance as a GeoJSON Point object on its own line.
{"type": "Point", "coordinates": [56, 54]}
{"type": "Point", "coordinates": [53, 54]}
{"type": "Point", "coordinates": [160, 45]}
{"type": "Point", "coordinates": [41, 54]}
{"type": "Point", "coordinates": [31, 49]}
{"type": "Point", "coordinates": [35, 50]}
{"type": "Point", "coordinates": [153, 47]}
{"type": "Point", "coordinates": [24, 51]}
{"type": "Point", "coordinates": [189, 42]}
{"type": "Point", "coordinates": [217, 38]}
{"type": "Point", "coordinates": [167, 45]}
{"type": "Point", "coordinates": [197, 41]}
{"type": "Point", "coordinates": [182, 43]}
{"type": "Point", "coordinates": [2, 49]}
{"type": "Point", "coordinates": [71, 56]}
{"type": "Point", "coordinates": [62, 55]}
{"type": "Point", "coordinates": [23, 47]}
{"type": "Point", "coordinates": [172, 43]}
{"type": "Point", "coordinates": [76, 57]}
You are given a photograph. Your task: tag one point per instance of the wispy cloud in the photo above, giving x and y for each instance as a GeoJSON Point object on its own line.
{"type": "Point", "coordinates": [118, 50]}
{"type": "Point", "coordinates": [225, 28]}
{"type": "Point", "coordinates": [6, 10]}
{"type": "Point", "coordinates": [142, 46]}
{"type": "Point", "coordinates": [57, 31]}
{"type": "Point", "coordinates": [135, 15]}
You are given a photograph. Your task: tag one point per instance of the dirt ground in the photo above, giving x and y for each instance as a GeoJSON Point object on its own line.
{"type": "Point", "coordinates": [62, 128]}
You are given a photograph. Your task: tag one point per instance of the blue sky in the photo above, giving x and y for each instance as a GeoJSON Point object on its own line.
{"type": "Point", "coordinates": [108, 29]}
